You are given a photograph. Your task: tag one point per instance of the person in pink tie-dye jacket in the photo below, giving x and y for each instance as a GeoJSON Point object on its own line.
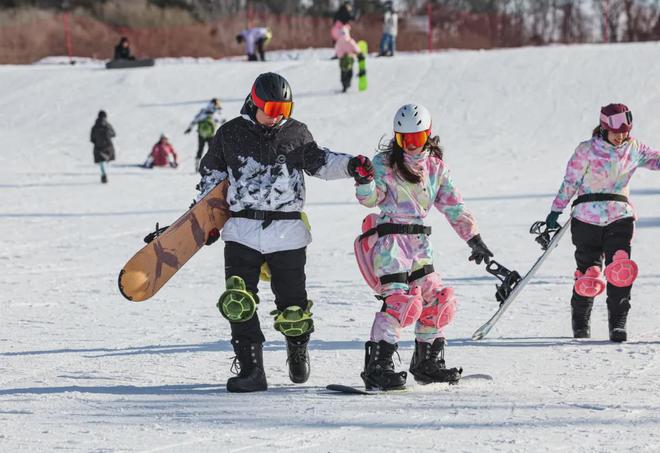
{"type": "Point", "coordinates": [410, 178]}
{"type": "Point", "coordinates": [346, 50]}
{"type": "Point", "coordinates": [603, 218]}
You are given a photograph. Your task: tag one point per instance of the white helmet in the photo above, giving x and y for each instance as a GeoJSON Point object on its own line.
{"type": "Point", "coordinates": [412, 118]}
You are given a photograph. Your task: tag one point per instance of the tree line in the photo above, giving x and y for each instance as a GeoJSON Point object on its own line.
{"type": "Point", "coordinates": [454, 23]}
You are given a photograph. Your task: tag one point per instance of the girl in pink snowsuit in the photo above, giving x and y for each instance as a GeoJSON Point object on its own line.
{"type": "Point", "coordinates": [346, 50]}
{"type": "Point", "coordinates": [603, 218]}
{"type": "Point", "coordinates": [410, 178]}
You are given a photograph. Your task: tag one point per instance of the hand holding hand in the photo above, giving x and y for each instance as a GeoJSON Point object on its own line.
{"type": "Point", "coordinates": [361, 169]}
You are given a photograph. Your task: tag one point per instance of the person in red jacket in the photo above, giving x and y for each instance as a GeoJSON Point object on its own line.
{"type": "Point", "coordinates": [162, 154]}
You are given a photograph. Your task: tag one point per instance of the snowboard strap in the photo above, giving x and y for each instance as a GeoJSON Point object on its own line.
{"type": "Point", "coordinates": [266, 216]}
{"type": "Point", "coordinates": [157, 232]}
{"type": "Point", "coordinates": [589, 197]}
{"type": "Point", "coordinates": [396, 228]}
{"type": "Point", "coordinates": [405, 277]}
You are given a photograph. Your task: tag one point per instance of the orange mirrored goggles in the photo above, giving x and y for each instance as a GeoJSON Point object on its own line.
{"type": "Point", "coordinates": [273, 108]}
{"type": "Point", "coordinates": [416, 139]}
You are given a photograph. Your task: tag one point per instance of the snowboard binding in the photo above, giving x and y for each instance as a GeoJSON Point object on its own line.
{"type": "Point", "coordinates": [508, 278]}
{"type": "Point", "coordinates": [543, 234]}
{"type": "Point", "coordinates": [157, 232]}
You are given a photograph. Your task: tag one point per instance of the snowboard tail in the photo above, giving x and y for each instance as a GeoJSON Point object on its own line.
{"type": "Point", "coordinates": [169, 249]}
{"type": "Point", "coordinates": [506, 294]}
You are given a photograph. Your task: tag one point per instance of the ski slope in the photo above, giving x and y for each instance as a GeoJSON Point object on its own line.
{"type": "Point", "coordinates": [83, 370]}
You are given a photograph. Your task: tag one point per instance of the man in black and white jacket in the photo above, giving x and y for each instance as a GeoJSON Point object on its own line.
{"type": "Point", "coordinates": [264, 153]}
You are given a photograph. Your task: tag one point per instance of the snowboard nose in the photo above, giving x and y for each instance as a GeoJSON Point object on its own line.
{"type": "Point", "coordinates": [135, 283]}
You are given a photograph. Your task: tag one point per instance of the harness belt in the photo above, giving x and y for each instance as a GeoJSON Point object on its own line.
{"type": "Point", "coordinates": [266, 216]}
{"type": "Point", "coordinates": [396, 228]}
{"type": "Point", "coordinates": [588, 197]}
{"type": "Point", "coordinates": [407, 277]}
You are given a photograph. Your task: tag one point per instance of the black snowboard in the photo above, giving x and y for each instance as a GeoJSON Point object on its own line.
{"type": "Point", "coordinates": [348, 390]}
{"type": "Point", "coordinates": [126, 64]}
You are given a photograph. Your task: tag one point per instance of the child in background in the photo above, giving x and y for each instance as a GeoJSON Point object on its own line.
{"type": "Point", "coordinates": [102, 135]}
{"type": "Point", "coordinates": [162, 154]}
{"type": "Point", "coordinates": [346, 50]}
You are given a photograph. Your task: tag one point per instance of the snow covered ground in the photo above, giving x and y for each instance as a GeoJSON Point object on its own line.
{"type": "Point", "coordinates": [82, 369]}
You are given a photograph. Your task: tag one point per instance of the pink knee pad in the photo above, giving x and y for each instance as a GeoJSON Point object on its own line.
{"type": "Point", "coordinates": [622, 271]}
{"type": "Point", "coordinates": [441, 310]}
{"type": "Point", "coordinates": [406, 308]}
{"type": "Point", "coordinates": [589, 284]}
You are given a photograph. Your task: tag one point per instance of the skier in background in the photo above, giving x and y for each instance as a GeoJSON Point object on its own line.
{"type": "Point", "coordinates": [123, 50]}
{"type": "Point", "coordinates": [603, 219]}
{"type": "Point", "coordinates": [346, 50]}
{"type": "Point", "coordinates": [341, 19]}
{"type": "Point", "coordinates": [390, 28]}
{"type": "Point", "coordinates": [162, 154]}
{"type": "Point", "coordinates": [410, 178]}
{"type": "Point", "coordinates": [255, 41]}
{"type": "Point", "coordinates": [207, 120]}
{"type": "Point", "coordinates": [265, 153]}
{"type": "Point", "coordinates": [101, 136]}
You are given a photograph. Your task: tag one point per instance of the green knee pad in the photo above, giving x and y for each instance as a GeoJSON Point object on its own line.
{"type": "Point", "coordinates": [237, 304]}
{"type": "Point", "coordinates": [294, 321]}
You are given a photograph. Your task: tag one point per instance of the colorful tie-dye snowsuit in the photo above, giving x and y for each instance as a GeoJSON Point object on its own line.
{"type": "Point", "coordinates": [601, 228]}
{"type": "Point", "coordinates": [404, 202]}
{"type": "Point", "coordinates": [600, 167]}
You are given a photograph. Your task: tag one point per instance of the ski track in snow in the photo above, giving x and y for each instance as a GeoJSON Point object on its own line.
{"type": "Point", "coordinates": [83, 370]}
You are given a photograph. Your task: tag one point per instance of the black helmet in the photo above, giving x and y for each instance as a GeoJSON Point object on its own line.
{"type": "Point", "coordinates": [271, 87]}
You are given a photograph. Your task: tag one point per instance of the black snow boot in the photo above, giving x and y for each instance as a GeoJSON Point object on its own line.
{"type": "Point", "coordinates": [581, 316]}
{"type": "Point", "coordinates": [104, 179]}
{"type": "Point", "coordinates": [298, 358]}
{"type": "Point", "coordinates": [249, 367]}
{"type": "Point", "coordinates": [427, 367]}
{"type": "Point", "coordinates": [617, 315]}
{"type": "Point", "coordinates": [379, 371]}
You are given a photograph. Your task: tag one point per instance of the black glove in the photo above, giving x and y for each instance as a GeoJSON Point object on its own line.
{"type": "Point", "coordinates": [361, 169]}
{"type": "Point", "coordinates": [551, 220]}
{"type": "Point", "coordinates": [187, 131]}
{"type": "Point", "coordinates": [479, 250]}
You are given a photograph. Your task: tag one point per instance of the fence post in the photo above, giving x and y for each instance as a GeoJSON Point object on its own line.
{"type": "Point", "coordinates": [67, 36]}
{"type": "Point", "coordinates": [429, 12]}
{"type": "Point", "coordinates": [606, 15]}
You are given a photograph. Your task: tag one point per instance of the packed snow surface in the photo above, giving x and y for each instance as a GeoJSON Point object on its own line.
{"type": "Point", "coordinates": [82, 369]}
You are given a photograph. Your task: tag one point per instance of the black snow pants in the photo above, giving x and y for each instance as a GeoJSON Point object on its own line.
{"type": "Point", "coordinates": [201, 142]}
{"type": "Point", "coordinates": [346, 71]}
{"type": "Point", "coordinates": [592, 242]}
{"type": "Point", "coordinates": [287, 270]}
